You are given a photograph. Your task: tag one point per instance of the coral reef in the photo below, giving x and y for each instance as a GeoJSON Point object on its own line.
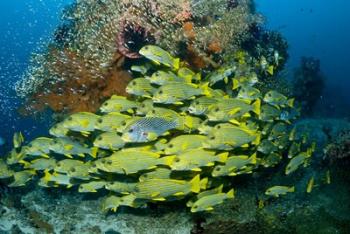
{"type": "Point", "coordinates": [308, 83]}
{"type": "Point", "coordinates": [126, 148]}
{"type": "Point", "coordinates": [86, 49]}
{"type": "Point", "coordinates": [338, 150]}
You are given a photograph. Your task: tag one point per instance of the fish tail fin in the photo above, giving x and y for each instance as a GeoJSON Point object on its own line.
{"type": "Point", "coordinates": [291, 189]}
{"type": "Point", "coordinates": [203, 183]}
{"type": "Point", "coordinates": [252, 159]}
{"type": "Point", "coordinates": [205, 89]}
{"type": "Point", "coordinates": [235, 84]}
{"type": "Point", "coordinates": [270, 70]}
{"type": "Point", "coordinates": [47, 175]}
{"type": "Point", "coordinates": [93, 152]}
{"type": "Point", "coordinates": [291, 102]}
{"type": "Point", "coordinates": [257, 139]}
{"type": "Point", "coordinates": [25, 163]}
{"type": "Point", "coordinates": [219, 189]}
{"type": "Point", "coordinates": [257, 107]}
{"type": "Point", "coordinates": [176, 64]}
{"type": "Point", "coordinates": [223, 157]}
{"type": "Point", "coordinates": [180, 123]}
{"type": "Point", "coordinates": [230, 194]}
{"type": "Point", "coordinates": [196, 184]}
{"type": "Point", "coordinates": [168, 160]}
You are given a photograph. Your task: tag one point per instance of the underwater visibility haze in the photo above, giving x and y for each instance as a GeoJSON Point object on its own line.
{"type": "Point", "coordinates": [174, 116]}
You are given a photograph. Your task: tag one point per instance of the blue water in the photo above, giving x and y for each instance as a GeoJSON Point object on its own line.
{"type": "Point", "coordinates": [312, 28]}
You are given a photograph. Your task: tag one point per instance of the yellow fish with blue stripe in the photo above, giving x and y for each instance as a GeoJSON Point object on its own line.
{"type": "Point", "coordinates": [177, 92]}
{"type": "Point", "coordinates": [229, 138]}
{"type": "Point", "coordinates": [277, 191]}
{"type": "Point", "coordinates": [183, 143]}
{"type": "Point", "coordinates": [119, 104]}
{"type": "Point", "coordinates": [130, 161]}
{"type": "Point", "coordinates": [68, 147]}
{"type": "Point", "coordinates": [140, 87]}
{"type": "Point", "coordinates": [18, 140]}
{"type": "Point", "coordinates": [195, 159]}
{"type": "Point", "coordinates": [160, 56]}
{"type": "Point", "coordinates": [109, 141]}
{"type": "Point", "coordinates": [83, 122]}
{"type": "Point", "coordinates": [161, 189]}
{"type": "Point", "coordinates": [207, 203]}
{"type": "Point", "coordinates": [111, 122]}
{"type": "Point", "coordinates": [234, 165]}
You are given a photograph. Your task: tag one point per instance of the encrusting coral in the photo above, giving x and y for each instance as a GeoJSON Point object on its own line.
{"type": "Point", "coordinates": [169, 141]}
{"type": "Point", "coordinates": [95, 35]}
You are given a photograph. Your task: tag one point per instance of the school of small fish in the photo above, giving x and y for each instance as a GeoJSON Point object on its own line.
{"type": "Point", "coordinates": [174, 138]}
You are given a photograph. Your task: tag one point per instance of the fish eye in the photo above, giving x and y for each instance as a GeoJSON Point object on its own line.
{"type": "Point", "coordinates": [269, 94]}
{"type": "Point", "coordinates": [112, 183]}
{"type": "Point", "coordinates": [105, 104]}
{"type": "Point", "coordinates": [124, 123]}
{"type": "Point", "coordinates": [217, 169]}
{"type": "Point", "coordinates": [99, 121]}
{"type": "Point", "coordinates": [177, 160]}
{"type": "Point", "coordinates": [218, 127]}
{"type": "Point", "coordinates": [145, 175]}
{"type": "Point", "coordinates": [30, 145]}
{"type": "Point", "coordinates": [72, 169]}
{"type": "Point", "coordinates": [146, 48]}
{"type": "Point", "coordinates": [121, 200]}
{"type": "Point", "coordinates": [217, 109]}
{"type": "Point", "coordinates": [153, 111]}
{"type": "Point", "coordinates": [93, 165]}
{"type": "Point", "coordinates": [133, 83]}
{"type": "Point", "coordinates": [196, 102]}
{"type": "Point", "coordinates": [212, 138]}
{"type": "Point", "coordinates": [195, 207]}
{"type": "Point", "coordinates": [171, 145]}
{"type": "Point", "coordinates": [131, 130]}
{"type": "Point", "coordinates": [109, 162]}
{"type": "Point", "coordinates": [157, 74]}
{"type": "Point", "coordinates": [99, 138]}
{"type": "Point", "coordinates": [103, 160]}
{"type": "Point", "coordinates": [143, 105]}
{"type": "Point", "coordinates": [160, 91]}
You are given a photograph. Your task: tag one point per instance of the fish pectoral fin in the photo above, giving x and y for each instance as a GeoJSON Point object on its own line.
{"type": "Point", "coordinates": [130, 111]}
{"type": "Point", "coordinates": [45, 156]}
{"type": "Point", "coordinates": [81, 155]}
{"type": "Point", "coordinates": [155, 194]}
{"type": "Point", "coordinates": [152, 136]}
{"type": "Point", "coordinates": [234, 111]}
{"type": "Point", "coordinates": [68, 147]}
{"type": "Point", "coordinates": [209, 208]}
{"type": "Point", "coordinates": [159, 199]}
{"type": "Point", "coordinates": [179, 194]}
{"type": "Point", "coordinates": [234, 121]}
{"type": "Point", "coordinates": [68, 155]}
{"type": "Point", "coordinates": [196, 169]}
{"type": "Point", "coordinates": [210, 164]}
{"type": "Point", "coordinates": [85, 133]}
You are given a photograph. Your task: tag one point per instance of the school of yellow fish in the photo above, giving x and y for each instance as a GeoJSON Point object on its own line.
{"type": "Point", "coordinates": [174, 138]}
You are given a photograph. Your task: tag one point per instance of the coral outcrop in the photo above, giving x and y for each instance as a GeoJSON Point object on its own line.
{"type": "Point", "coordinates": [81, 62]}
